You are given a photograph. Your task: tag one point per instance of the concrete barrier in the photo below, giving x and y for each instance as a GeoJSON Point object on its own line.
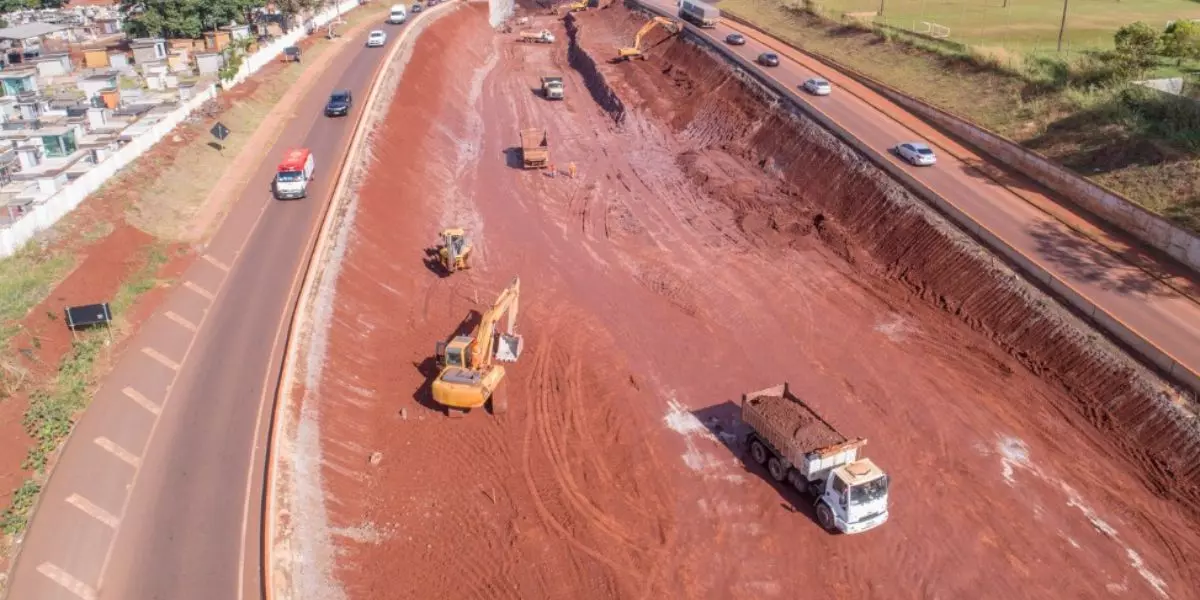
{"type": "Point", "coordinates": [1033, 271]}
{"type": "Point", "coordinates": [1112, 207]}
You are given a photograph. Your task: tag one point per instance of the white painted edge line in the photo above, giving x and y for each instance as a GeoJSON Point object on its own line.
{"type": "Point", "coordinates": [67, 581]}
{"type": "Point", "coordinates": [93, 510]}
{"type": "Point", "coordinates": [119, 452]}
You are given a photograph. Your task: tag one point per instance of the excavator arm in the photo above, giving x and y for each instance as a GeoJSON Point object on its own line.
{"type": "Point", "coordinates": [636, 50]}
{"type": "Point", "coordinates": [484, 349]}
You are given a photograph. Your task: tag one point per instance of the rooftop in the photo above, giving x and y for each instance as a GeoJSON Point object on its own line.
{"type": "Point", "coordinates": [30, 30]}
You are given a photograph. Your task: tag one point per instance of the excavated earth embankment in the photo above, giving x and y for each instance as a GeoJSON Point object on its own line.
{"type": "Point", "coordinates": [889, 236]}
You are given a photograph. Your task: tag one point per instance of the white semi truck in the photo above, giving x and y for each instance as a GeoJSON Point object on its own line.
{"type": "Point", "coordinates": [800, 448]}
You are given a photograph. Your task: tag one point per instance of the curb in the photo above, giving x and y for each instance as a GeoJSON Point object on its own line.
{"type": "Point", "coordinates": [319, 248]}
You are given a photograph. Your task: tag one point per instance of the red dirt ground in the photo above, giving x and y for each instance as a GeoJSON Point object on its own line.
{"type": "Point", "coordinates": [684, 266]}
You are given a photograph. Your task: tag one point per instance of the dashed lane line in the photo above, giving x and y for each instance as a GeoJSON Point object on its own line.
{"type": "Point", "coordinates": [119, 452]}
{"type": "Point", "coordinates": [93, 511]}
{"type": "Point", "coordinates": [67, 581]}
{"type": "Point", "coordinates": [143, 401]}
{"type": "Point", "coordinates": [199, 290]}
{"type": "Point", "coordinates": [182, 322]}
{"type": "Point", "coordinates": [160, 358]}
{"type": "Point", "coordinates": [216, 263]}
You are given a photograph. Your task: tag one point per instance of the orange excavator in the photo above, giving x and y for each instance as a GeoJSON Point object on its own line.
{"type": "Point", "coordinates": [469, 374]}
{"type": "Point", "coordinates": [636, 50]}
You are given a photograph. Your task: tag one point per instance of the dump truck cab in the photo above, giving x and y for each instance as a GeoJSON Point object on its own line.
{"type": "Point", "coordinates": [856, 496]}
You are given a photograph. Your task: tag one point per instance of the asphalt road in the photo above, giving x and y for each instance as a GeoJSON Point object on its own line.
{"type": "Point", "coordinates": [158, 493]}
{"type": "Point", "coordinates": [1169, 319]}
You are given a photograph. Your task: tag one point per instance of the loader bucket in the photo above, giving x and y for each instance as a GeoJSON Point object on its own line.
{"type": "Point", "coordinates": [508, 347]}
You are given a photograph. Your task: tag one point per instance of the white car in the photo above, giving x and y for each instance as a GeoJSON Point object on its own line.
{"type": "Point", "coordinates": [916, 153]}
{"type": "Point", "coordinates": [817, 86]}
{"type": "Point", "coordinates": [376, 39]}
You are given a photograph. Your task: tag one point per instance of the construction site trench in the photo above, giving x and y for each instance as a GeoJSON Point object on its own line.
{"type": "Point", "coordinates": [713, 241]}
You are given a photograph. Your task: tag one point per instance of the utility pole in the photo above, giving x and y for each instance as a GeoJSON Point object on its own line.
{"type": "Point", "coordinates": [1062, 28]}
{"type": "Point", "coordinates": [881, 7]}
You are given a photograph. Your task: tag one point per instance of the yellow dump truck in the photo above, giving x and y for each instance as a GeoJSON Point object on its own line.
{"type": "Point", "coordinates": [535, 150]}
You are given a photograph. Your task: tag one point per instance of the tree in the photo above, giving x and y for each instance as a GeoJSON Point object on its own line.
{"type": "Point", "coordinates": [182, 18]}
{"type": "Point", "coordinates": [1181, 40]}
{"type": "Point", "coordinates": [1136, 45]}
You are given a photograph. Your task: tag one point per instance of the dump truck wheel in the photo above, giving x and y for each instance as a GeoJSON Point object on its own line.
{"type": "Point", "coordinates": [777, 470]}
{"type": "Point", "coordinates": [758, 452]}
{"type": "Point", "coordinates": [499, 403]}
{"type": "Point", "coordinates": [825, 517]}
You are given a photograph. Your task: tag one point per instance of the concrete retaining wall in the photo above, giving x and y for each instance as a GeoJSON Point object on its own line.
{"type": "Point", "coordinates": [1114, 208]}
{"type": "Point", "coordinates": [1101, 319]}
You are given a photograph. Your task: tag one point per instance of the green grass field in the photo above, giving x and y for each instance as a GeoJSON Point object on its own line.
{"type": "Point", "coordinates": [1024, 26]}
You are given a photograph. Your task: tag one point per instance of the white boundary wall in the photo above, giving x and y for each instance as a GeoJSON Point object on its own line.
{"type": "Point", "coordinates": [46, 213]}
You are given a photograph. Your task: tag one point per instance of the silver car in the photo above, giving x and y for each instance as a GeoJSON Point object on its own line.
{"type": "Point", "coordinates": [916, 153]}
{"type": "Point", "coordinates": [376, 39]}
{"type": "Point", "coordinates": [817, 86]}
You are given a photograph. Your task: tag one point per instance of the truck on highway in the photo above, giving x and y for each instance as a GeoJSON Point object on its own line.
{"type": "Point", "coordinates": [798, 447]}
{"type": "Point", "coordinates": [535, 149]}
{"type": "Point", "coordinates": [552, 88]}
{"type": "Point", "coordinates": [398, 14]}
{"type": "Point", "coordinates": [294, 174]}
{"type": "Point", "coordinates": [537, 37]}
{"type": "Point", "coordinates": [700, 13]}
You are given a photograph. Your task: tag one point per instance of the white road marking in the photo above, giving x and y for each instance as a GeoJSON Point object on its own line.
{"type": "Point", "coordinates": [160, 358]}
{"type": "Point", "coordinates": [142, 400]}
{"type": "Point", "coordinates": [119, 452]}
{"type": "Point", "coordinates": [199, 290]}
{"type": "Point", "coordinates": [182, 322]}
{"type": "Point", "coordinates": [216, 263]}
{"type": "Point", "coordinates": [94, 511]}
{"type": "Point", "coordinates": [63, 578]}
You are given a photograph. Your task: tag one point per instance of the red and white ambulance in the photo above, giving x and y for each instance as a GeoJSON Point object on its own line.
{"type": "Point", "coordinates": [294, 174]}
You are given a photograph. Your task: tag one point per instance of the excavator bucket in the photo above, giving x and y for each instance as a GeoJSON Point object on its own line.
{"type": "Point", "coordinates": [509, 347]}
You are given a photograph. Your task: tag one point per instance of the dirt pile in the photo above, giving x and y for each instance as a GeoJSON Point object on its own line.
{"type": "Point", "coordinates": [806, 429]}
{"type": "Point", "coordinates": [824, 187]}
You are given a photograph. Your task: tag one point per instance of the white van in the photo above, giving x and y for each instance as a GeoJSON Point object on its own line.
{"type": "Point", "coordinates": [398, 14]}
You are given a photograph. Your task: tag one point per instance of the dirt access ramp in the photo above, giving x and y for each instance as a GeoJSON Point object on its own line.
{"type": "Point", "coordinates": [683, 266]}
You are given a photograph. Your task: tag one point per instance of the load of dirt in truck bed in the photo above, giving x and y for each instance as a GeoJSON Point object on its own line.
{"type": "Point", "coordinates": [789, 416]}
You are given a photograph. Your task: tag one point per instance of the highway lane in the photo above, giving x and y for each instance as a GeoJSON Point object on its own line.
{"type": "Point", "coordinates": [1161, 314]}
{"type": "Point", "coordinates": [191, 526]}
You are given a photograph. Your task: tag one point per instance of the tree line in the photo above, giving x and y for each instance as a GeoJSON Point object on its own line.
{"type": "Point", "coordinates": [189, 18]}
{"type": "Point", "coordinates": [1138, 45]}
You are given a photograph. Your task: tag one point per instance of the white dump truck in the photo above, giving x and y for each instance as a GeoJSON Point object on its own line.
{"type": "Point", "coordinates": [800, 448]}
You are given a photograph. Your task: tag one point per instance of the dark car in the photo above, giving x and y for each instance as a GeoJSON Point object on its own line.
{"type": "Point", "coordinates": [768, 59]}
{"type": "Point", "coordinates": [416, 7]}
{"type": "Point", "coordinates": [735, 39]}
{"type": "Point", "coordinates": [339, 104]}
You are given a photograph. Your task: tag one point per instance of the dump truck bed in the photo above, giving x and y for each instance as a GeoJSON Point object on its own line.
{"type": "Point", "coordinates": [534, 148]}
{"type": "Point", "coordinates": [787, 422]}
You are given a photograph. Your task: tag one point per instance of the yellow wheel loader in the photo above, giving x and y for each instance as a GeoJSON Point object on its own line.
{"type": "Point", "coordinates": [454, 251]}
